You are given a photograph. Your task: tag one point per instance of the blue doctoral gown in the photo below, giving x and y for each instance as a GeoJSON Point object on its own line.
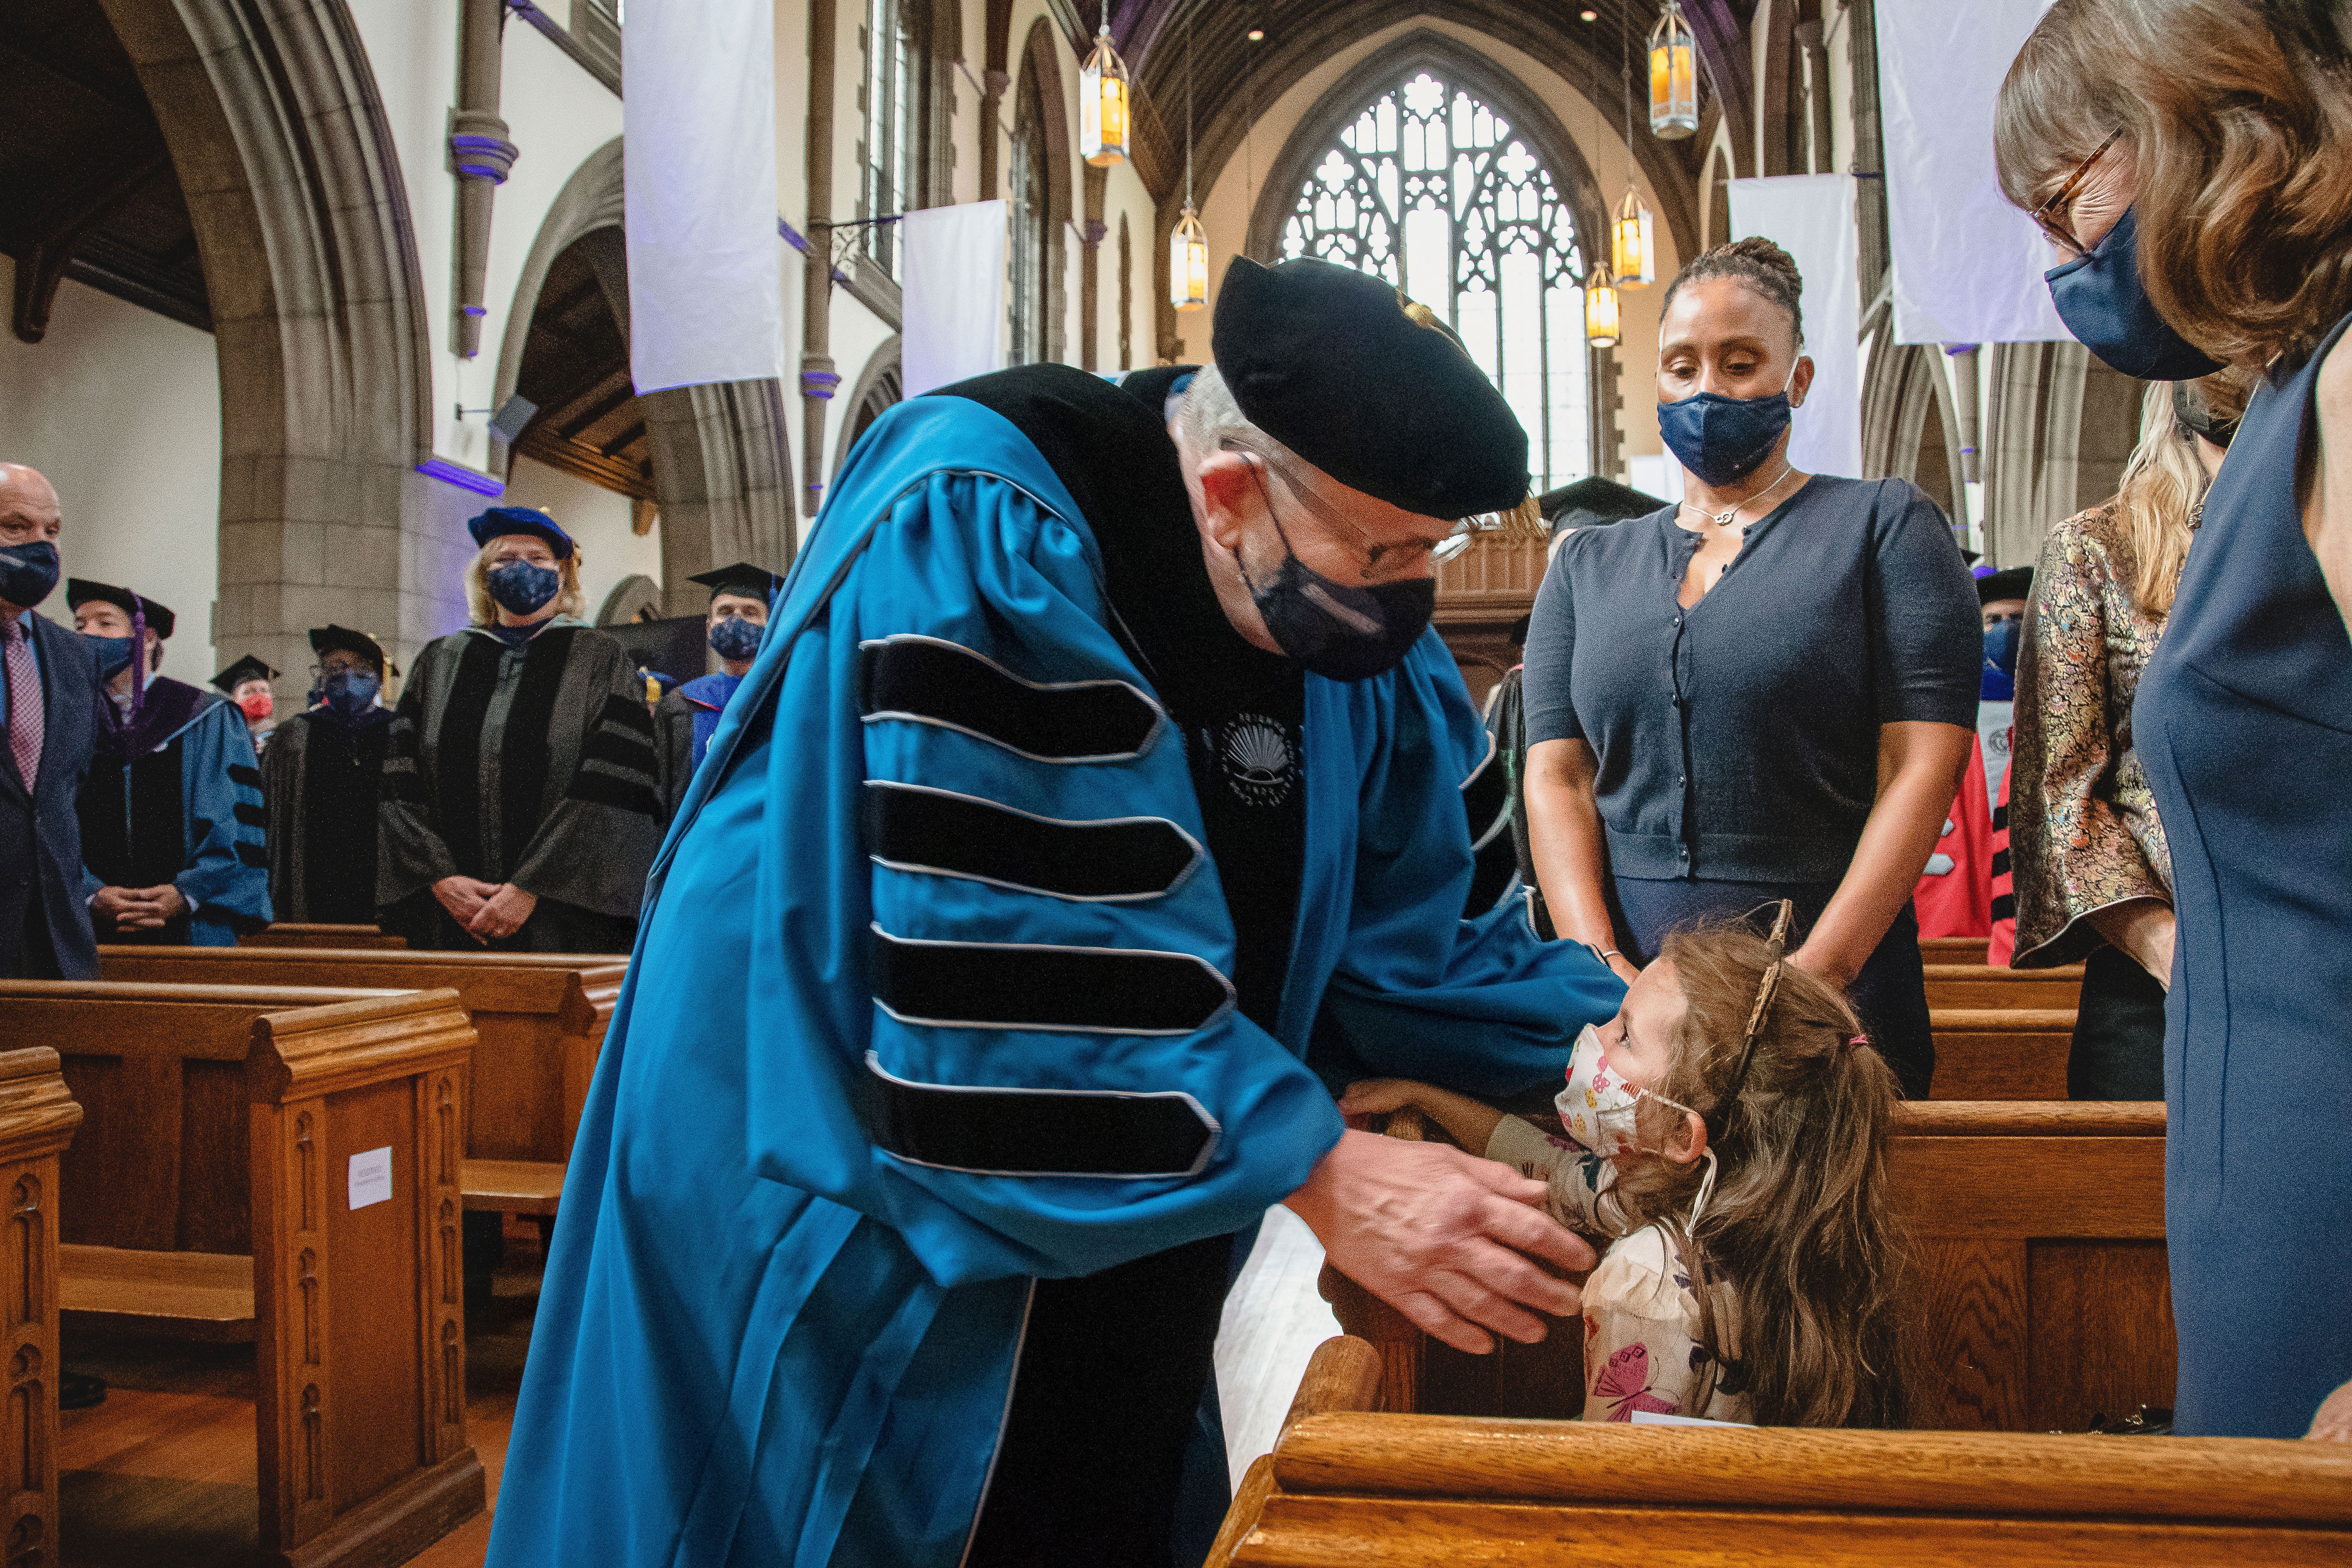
{"type": "Point", "coordinates": [762, 1340]}
{"type": "Point", "coordinates": [223, 866]}
{"type": "Point", "coordinates": [708, 695]}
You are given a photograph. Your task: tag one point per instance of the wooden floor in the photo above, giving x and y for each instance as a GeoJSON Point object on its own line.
{"type": "Point", "coordinates": [161, 1475]}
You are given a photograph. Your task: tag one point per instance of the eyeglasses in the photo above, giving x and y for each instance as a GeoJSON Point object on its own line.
{"type": "Point", "coordinates": [1765, 991]}
{"type": "Point", "coordinates": [1402, 556]}
{"type": "Point", "coordinates": [2046, 214]}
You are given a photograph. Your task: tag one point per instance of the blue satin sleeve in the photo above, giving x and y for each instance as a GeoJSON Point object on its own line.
{"type": "Point", "coordinates": [227, 876]}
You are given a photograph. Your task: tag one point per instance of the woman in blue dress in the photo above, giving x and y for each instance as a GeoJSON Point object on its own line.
{"type": "Point", "coordinates": [2191, 162]}
{"type": "Point", "coordinates": [1768, 691]}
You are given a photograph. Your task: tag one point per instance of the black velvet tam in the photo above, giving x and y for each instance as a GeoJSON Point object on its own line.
{"type": "Point", "coordinates": [1324, 359]}
{"type": "Point", "coordinates": [328, 639]}
{"type": "Point", "coordinates": [751, 582]}
{"type": "Point", "coordinates": [1590, 503]}
{"type": "Point", "coordinates": [2016, 582]}
{"type": "Point", "coordinates": [80, 591]}
{"type": "Point", "coordinates": [244, 670]}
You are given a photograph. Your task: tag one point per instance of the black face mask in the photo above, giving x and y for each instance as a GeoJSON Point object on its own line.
{"type": "Point", "coordinates": [2188, 406]}
{"type": "Point", "coordinates": [1341, 632]}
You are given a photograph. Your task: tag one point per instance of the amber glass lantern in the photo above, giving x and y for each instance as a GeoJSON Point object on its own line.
{"type": "Point", "coordinates": [1632, 249]}
{"type": "Point", "coordinates": [1674, 77]}
{"type": "Point", "coordinates": [1188, 263]}
{"type": "Point", "coordinates": [1600, 309]}
{"type": "Point", "coordinates": [1103, 99]}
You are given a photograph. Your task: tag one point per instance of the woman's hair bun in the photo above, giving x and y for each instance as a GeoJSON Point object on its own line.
{"type": "Point", "coordinates": [1757, 262]}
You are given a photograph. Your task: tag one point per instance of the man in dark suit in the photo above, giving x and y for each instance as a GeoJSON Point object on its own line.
{"type": "Point", "coordinates": [48, 702]}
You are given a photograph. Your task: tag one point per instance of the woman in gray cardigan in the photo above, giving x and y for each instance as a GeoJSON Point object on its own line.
{"type": "Point", "coordinates": [1767, 691]}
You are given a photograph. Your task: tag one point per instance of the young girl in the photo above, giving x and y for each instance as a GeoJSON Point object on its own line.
{"type": "Point", "coordinates": [1729, 1127]}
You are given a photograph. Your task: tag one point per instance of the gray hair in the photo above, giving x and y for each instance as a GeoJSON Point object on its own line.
{"type": "Point", "coordinates": [1209, 417]}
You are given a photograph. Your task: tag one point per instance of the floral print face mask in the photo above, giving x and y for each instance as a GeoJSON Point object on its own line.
{"type": "Point", "coordinates": [1601, 1113]}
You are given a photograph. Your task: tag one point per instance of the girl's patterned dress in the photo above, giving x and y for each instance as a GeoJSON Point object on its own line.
{"type": "Point", "coordinates": [1642, 1335]}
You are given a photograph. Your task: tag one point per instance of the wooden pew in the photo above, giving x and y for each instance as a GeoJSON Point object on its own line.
{"type": "Point", "coordinates": [288, 934]}
{"type": "Point", "coordinates": [2001, 1054]}
{"type": "Point", "coordinates": [2040, 1295]}
{"type": "Point", "coordinates": [37, 1117]}
{"type": "Point", "coordinates": [1974, 985]}
{"type": "Point", "coordinates": [1349, 1488]}
{"type": "Point", "coordinates": [228, 1131]}
{"type": "Point", "coordinates": [541, 1018]}
{"type": "Point", "coordinates": [1953, 950]}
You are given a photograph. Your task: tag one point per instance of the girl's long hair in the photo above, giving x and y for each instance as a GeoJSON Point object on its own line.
{"type": "Point", "coordinates": [2163, 483]}
{"type": "Point", "coordinates": [1801, 1220]}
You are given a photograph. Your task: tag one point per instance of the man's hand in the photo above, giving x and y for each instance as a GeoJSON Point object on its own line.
{"type": "Point", "coordinates": [137, 908]}
{"type": "Point", "coordinates": [502, 912]}
{"type": "Point", "coordinates": [1444, 1239]}
{"type": "Point", "coordinates": [463, 897]}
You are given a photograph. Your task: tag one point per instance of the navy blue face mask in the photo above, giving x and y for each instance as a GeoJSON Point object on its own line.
{"type": "Point", "coordinates": [735, 639]}
{"type": "Point", "coordinates": [350, 692]}
{"type": "Point", "coordinates": [113, 656]}
{"type": "Point", "coordinates": [2101, 299]}
{"type": "Point", "coordinates": [1999, 676]}
{"type": "Point", "coordinates": [27, 572]}
{"type": "Point", "coordinates": [1724, 439]}
{"type": "Point", "coordinates": [523, 588]}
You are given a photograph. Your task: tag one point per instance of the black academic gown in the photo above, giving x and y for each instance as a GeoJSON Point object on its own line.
{"type": "Point", "coordinates": [322, 774]}
{"type": "Point", "coordinates": [45, 930]}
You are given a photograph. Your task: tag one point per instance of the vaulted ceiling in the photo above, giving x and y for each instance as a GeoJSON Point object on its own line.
{"type": "Point", "coordinates": [1233, 78]}
{"type": "Point", "coordinates": [87, 190]}
{"type": "Point", "coordinates": [575, 366]}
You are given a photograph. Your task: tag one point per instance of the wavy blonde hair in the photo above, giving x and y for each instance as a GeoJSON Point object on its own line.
{"type": "Point", "coordinates": [2163, 485]}
{"type": "Point", "coordinates": [568, 599]}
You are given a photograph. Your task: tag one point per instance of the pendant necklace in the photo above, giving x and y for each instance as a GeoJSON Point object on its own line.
{"type": "Point", "coordinates": [1722, 518]}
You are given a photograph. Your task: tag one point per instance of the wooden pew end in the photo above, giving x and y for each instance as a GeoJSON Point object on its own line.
{"type": "Point", "coordinates": [511, 1186]}
{"type": "Point", "coordinates": [205, 1295]}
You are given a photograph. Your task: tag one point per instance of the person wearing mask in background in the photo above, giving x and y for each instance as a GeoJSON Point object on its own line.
{"type": "Point", "coordinates": [2092, 880]}
{"type": "Point", "coordinates": [323, 775]}
{"type": "Point", "coordinates": [172, 815]}
{"type": "Point", "coordinates": [48, 713]}
{"type": "Point", "coordinates": [2190, 161]}
{"type": "Point", "coordinates": [1588, 503]}
{"type": "Point", "coordinates": [1764, 692]}
{"type": "Point", "coordinates": [522, 806]}
{"type": "Point", "coordinates": [246, 684]}
{"type": "Point", "coordinates": [689, 713]}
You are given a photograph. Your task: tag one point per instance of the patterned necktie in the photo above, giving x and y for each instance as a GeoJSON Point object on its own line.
{"type": "Point", "coordinates": [24, 717]}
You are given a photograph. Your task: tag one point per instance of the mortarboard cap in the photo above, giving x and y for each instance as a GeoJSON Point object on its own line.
{"type": "Point", "coordinates": [501, 520]}
{"type": "Point", "coordinates": [1595, 502]}
{"type": "Point", "coordinates": [753, 582]}
{"type": "Point", "coordinates": [80, 591]}
{"type": "Point", "coordinates": [2017, 583]}
{"type": "Point", "coordinates": [1324, 359]}
{"type": "Point", "coordinates": [244, 670]}
{"type": "Point", "coordinates": [327, 639]}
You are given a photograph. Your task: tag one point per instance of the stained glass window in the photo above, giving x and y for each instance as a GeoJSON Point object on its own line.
{"type": "Point", "coordinates": [1432, 190]}
{"type": "Point", "coordinates": [1027, 210]}
{"type": "Point", "coordinates": [887, 154]}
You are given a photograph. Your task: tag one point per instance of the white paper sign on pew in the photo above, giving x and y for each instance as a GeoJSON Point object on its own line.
{"type": "Point", "coordinates": [371, 1177]}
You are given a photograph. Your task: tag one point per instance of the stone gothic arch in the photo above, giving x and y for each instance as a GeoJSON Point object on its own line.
{"type": "Point", "coordinates": [721, 461]}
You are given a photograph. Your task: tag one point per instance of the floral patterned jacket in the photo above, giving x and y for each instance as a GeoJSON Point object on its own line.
{"type": "Point", "coordinates": [2082, 829]}
{"type": "Point", "coordinates": [1642, 1347]}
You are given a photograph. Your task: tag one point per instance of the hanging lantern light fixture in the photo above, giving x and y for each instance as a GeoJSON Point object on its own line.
{"type": "Point", "coordinates": [1104, 96]}
{"type": "Point", "coordinates": [1600, 309]}
{"type": "Point", "coordinates": [1632, 251]}
{"type": "Point", "coordinates": [1187, 244]}
{"type": "Point", "coordinates": [1674, 77]}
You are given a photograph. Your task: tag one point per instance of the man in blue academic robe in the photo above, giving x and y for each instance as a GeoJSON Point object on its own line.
{"type": "Point", "coordinates": [1099, 801]}
{"type": "Point", "coordinates": [688, 716]}
{"type": "Point", "coordinates": [172, 818]}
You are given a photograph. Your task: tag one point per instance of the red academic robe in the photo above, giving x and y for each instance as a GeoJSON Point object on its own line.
{"type": "Point", "coordinates": [1955, 896]}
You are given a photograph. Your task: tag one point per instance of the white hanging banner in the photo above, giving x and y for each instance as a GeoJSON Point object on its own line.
{"type": "Point", "coordinates": [698, 140]}
{"type": "Point", "coordinates": [1967, 265]}
{"type": "Point", "coordinates": [1810, 216]}
{"type": "Point", "coordinates": [952, 308]}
